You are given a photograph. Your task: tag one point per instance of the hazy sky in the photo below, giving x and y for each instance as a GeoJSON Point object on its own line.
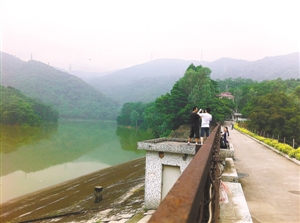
{"type": "Point", "coordinates": [104, 35]}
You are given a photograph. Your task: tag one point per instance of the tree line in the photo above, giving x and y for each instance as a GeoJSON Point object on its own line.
{"type": "Point", "coordinates": [173, 109]}
{"type": "Point", "coordinates": [18, 109]}
{"type": "Point", "coordinates": [272, 106]}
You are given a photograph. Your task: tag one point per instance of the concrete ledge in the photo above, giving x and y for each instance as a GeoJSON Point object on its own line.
{"type": "Point", "coordinates": [171, 145]}
{"type": "Point", "coordinates": [224, 153]}
{"type": "Point", "coordinates": [229, 174]}
{"type": "Point", "coordinates": [236, 210]}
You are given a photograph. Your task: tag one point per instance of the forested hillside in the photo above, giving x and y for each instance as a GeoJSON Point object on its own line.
{"type": "Point", "coordinates": [17, 109]}
{"type": "Point", "coordinates": [146, 82]}
{"type": "Point", "coordinates": [173, 109]}
{"type": "Point", "coordinates": [72, 97]}
{"type": "Point", "coordinates": [272, 106]}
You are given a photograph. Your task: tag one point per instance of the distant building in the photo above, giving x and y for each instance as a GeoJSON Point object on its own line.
{"type": "Point", "coordinates": [226, 95]}
{"type": "Point", "coordinates": [236, 116]}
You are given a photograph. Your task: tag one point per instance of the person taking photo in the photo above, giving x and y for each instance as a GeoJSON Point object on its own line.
{"type": "Point", "coordinates": [206, 118]}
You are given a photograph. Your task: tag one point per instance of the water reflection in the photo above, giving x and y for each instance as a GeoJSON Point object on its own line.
{"type": "Point", "coordinates": [34, 158]}
{"type": "Point", "coordinates": [13, 137]}
{"type": "Point", "coordinates": [130, 136]}
{"type": "Point", "coordinates": [33, 152]}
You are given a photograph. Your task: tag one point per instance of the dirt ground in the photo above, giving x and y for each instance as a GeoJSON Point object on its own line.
{"type": "Point", "coordinates": [74, 200]}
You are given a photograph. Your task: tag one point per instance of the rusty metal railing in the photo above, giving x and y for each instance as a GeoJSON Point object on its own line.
{"type": "Point", "coordinates": [195, 195]}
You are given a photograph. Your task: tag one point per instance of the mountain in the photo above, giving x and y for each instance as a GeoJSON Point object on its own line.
{"type": "Point", "coordinates": [72, 97]}
{"type": "Point", "coordinates": [146, 82]}
{"type": "Point", "coordinates": [268, 68]}
{"type": "Point", "coordinates": [86, 76]}
{"type": "Point", "coordinates": [69, 95]}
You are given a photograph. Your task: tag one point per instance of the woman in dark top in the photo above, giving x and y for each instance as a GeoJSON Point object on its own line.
{"type": "Point", "coordinates": [194, 118]}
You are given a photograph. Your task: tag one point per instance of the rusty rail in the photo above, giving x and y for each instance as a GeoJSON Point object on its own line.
{"type": "Point", "coordinates": [195, 195]}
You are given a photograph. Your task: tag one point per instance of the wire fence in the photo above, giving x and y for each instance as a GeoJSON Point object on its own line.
{"type": "Point", "coordinates": [292, 142]}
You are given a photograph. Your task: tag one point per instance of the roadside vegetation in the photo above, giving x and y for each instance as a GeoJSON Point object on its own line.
{"type": "Point", "coordinates": [272, 106]}
{"type": "Point", "coordinates": [282, 147]}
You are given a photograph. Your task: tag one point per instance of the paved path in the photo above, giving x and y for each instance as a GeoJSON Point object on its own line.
{"type": "Point", "coordinates": [272, 187]}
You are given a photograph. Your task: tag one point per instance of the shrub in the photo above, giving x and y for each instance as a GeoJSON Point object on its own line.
{"type": "Point", "coordinates": [270, 142]}
{"type": "Point", "coordinates": [285, 148]}
{"type": "Point", "coordinates": [294, 153]}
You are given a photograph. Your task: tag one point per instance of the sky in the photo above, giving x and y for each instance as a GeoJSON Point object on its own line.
{"type": "Point", "coordinates": [105, 35]}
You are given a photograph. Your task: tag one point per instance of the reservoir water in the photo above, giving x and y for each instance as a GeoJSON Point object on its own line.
{"type": "Point", "coordinates": [33, 158]}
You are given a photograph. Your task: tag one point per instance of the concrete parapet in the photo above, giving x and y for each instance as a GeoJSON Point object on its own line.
{"type": "Point", "coordinates": [236, 210]}
{"type": "Point", "coordinates": [229, 174]}
{"type": "Point", "coordinates": [224, 153]}
{"type": "Point", "coordinates": [166, 159]}
{"type": "Point", "coordinates": [171, 145]}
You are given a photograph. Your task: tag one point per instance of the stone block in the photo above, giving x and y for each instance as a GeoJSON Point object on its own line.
{"type": "Point", "coordinates": [236, 210]}
{"type": "Point", "coordinates": [224, 153]}
{"type": "Point", "coordinates": [230, 173]}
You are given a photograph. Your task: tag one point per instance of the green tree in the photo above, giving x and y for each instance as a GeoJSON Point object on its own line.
{"type": "Point", "coordinates": [18, 109]}
{"type": "Point", "coordinates": [276, 114]}
{"type": "Point", "coordinates": [195, 88]}
{"type": "Point", "coordinates": [237, 93]}
{"type": "Point", "coordinates": [173, 109]}
{"type": "Point", "coordinates": [134, 117]}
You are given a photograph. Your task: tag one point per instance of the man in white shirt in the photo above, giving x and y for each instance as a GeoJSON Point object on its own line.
{"type": "Point", "coordinates": [205, 123]}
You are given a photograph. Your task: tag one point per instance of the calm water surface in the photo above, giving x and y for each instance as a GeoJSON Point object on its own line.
{"type": "Point", "coordinates": [33, 158]}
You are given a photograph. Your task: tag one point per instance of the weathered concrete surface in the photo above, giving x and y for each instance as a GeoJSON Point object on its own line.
{"type": "Point", "coordinates": [272, 189]}
{"type": "Point", "coordinates": [227, 153]}
{"type": "Point", "coordinates": [236, 210]}
{"type": "Point", "coordinates": [229, 174]}
{"type": "Point", "coordinates": [73, 201]}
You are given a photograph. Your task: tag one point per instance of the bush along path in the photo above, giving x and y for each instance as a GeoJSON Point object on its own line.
{"type": "Point", "coordinates": [281, 148]}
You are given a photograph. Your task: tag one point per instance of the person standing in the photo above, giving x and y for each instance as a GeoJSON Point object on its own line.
{"type": "Point", "coordinates": [225, 134]}
{"type": "Point", "coordinates": [205, 123]}
{"type": "Point", "coordinates": [227, 130]}
{"type": "Point", "coordinates": [224, 142]}
{"type": "Point", "coordinates": [194, 131]}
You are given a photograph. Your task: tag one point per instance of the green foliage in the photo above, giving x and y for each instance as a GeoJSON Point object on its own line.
{"type": "Point", "coordinates": [129, 137]}
{"type": "Point", "coordinates": [69, 95]}
{"type": "Point", "coordinates": [173, 109]}
{"type": "Point", "coordinates": [297, 154]}
{"type": "Point", "coordinates": [276, 114]}
{"type": "Point", "coordinates": [132, 114]}
{"type": "Point", "coordinates": [273, 106]}
{"type": "Point", "coordinates": [282, 147]}
{"type": "Point", "coordinates": [18, 109]}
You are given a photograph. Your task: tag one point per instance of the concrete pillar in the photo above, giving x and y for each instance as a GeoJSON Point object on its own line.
{"type": "Point", "coordinates": [166, 159]}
